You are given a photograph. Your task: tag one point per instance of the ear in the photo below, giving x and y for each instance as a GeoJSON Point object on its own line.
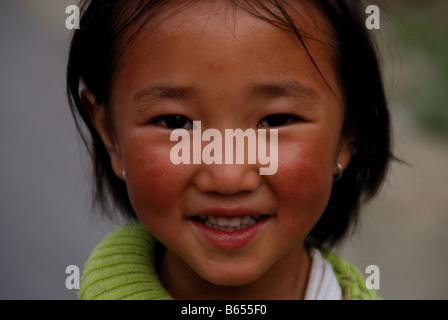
{"type": "Point", "coordinates": [345, 152]}
{"type": "Point", "coordinates": [99, 120]}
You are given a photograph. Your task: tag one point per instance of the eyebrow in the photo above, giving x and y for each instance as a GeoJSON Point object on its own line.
{"type": "Point", "coordinates": [291, 88]}
{"type": "Point", "coordinates": [161, 91]}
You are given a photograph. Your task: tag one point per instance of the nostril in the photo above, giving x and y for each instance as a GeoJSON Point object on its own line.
{"type": "Point", "coordinates": [227, 179]}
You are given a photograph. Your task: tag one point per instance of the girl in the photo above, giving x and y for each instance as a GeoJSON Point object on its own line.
{"type": "Point", "coordinates": [306, 71]}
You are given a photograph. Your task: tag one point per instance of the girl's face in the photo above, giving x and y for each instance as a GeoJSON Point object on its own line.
{"type": "Point", "coordinates": [229, 70]}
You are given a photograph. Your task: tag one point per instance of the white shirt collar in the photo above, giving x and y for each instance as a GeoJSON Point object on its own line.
{"type": "Point", "coordinates": [322, 284]}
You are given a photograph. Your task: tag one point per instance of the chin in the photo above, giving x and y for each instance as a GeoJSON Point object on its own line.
{"type": "Point", "coordinates": [233, 276]}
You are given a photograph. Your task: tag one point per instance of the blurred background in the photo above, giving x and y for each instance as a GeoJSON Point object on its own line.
{"type": "Point", "coordinates": [46, 221]}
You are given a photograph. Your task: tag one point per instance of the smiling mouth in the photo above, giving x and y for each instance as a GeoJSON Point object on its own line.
{"type": "Point", "coordinates": [229, 224]}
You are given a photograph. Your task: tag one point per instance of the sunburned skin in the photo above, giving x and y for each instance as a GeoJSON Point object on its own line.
{"type": "Point", "coordinates": [229, 232]}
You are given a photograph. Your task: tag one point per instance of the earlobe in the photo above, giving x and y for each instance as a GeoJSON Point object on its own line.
{"type": "Point", "coordinates": [341, 172]}
{"type": "Point", "coordinates": [344, 155]}
{"type": "Point", "coordinates": [100, 122]}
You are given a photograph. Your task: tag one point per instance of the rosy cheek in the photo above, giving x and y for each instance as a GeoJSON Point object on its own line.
{"type": "Point", "coordinates": [303, 178]}
{"type": "Point", "coordinates": [153, 180]}
{"type": "Point", "coordinates": [301, 188]}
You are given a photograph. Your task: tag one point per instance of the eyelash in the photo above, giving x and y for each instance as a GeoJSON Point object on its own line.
{"type": "Point", "coordinates": [162, 121]}
{"type": "Point", "coordinates": [287, 118]}
{"type": "Point", "coordinates": [177, 121]}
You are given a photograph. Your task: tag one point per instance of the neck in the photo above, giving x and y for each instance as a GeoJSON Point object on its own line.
{"type": "Point", "coordinates": [285, 280]}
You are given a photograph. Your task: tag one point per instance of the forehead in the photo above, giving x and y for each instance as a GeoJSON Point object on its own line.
{"type": "Point", "coordinates": [221, 31]}
{"type": "Point", "coordinates": [227, 17]}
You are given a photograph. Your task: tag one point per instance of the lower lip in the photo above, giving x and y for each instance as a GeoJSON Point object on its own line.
{"type": "Point", "coordinates": [230, 240]}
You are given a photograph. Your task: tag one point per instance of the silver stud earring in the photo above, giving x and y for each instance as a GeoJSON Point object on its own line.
{"type": "Point", "coordinates": [124, 175]}
{"type": "Point", "coordinates": [339, 176]}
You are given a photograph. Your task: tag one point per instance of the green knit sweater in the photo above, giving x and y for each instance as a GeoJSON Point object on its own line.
{"type": "Point", "coordinates": [122, 267]}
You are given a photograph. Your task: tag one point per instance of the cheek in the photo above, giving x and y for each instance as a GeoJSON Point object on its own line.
{"type": "Point", "coordinates": [153, 182]}
{"type": "Point", "coordinates": [302, 183]}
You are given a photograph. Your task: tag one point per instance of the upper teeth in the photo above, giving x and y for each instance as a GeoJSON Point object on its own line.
{"type": "Point", "coordinates": [229, 223]}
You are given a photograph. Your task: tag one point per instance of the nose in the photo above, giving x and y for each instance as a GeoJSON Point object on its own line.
{"type": "Point", "coordinates": [227, 179]}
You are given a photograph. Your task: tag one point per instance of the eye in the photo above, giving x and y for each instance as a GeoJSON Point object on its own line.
{"type": "Point", "coordinates": [277, 120]}
{"type": "Point", "coordinates": [173, 121]}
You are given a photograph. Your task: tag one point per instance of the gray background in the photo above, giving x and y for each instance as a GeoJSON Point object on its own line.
{"type": "Point", "coordinates": [46, 220]}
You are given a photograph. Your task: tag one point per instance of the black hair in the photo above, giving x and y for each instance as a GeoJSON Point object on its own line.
{"type": "Point", "coordinates": [94, 56]}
